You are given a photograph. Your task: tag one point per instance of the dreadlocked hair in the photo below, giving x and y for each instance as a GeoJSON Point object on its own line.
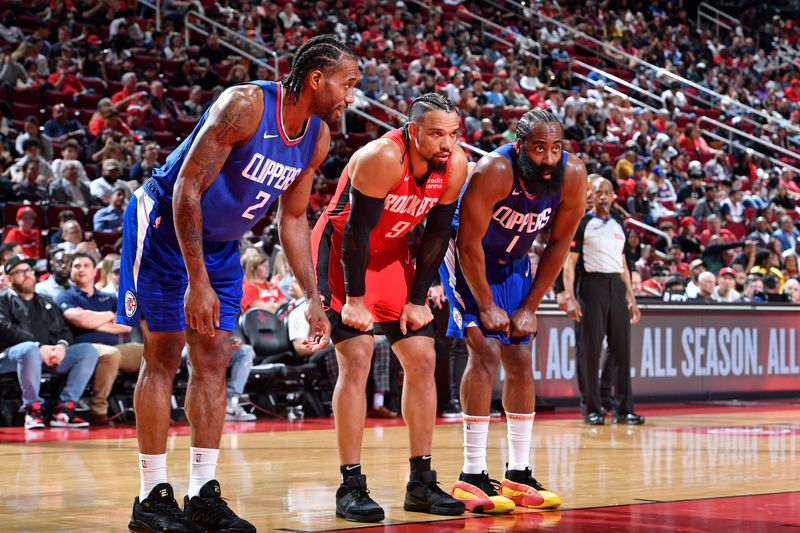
{"type": "Point", "coordinates": [319, 52]}
{"type": "Point", "coordinates": [530, 119]}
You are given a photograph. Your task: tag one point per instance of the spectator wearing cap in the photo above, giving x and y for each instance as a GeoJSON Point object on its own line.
{"type": "Point", "coordinates": [102, 187]}
{"type": "Point", "coordinates": [666, 191]}
{"type": "Point", "coordinates": [109, 218]}
{"type": "Point", "coordinates": [70, 189]}
{"type": "Point", "coordinates": [725, 291]}
{"type": "Point", "coordinates": [31, 131]}
{"type": "Point", "coordinates": [61, 128]}
{"type": "Point", "coordinates": [33, 333]}
{"type": "Point", "coordinates": [58, 266]}
{"type": "Point", "coordinates": [28, 237]}
{"type": "Point", "coordinates": [786, 234]}
{"type": "Point", "coordinates": [692, 191]}
{"type": "Point", "coordinates": [687, 236]}
{"type": "Point", "coordinates": [696, 268]}
{"type": "Point", "coordinates": [91, 315]}
{"type": "Point", "coordinates": [731, 208]}
{"type": "Point", "coordinates": [708, 205]}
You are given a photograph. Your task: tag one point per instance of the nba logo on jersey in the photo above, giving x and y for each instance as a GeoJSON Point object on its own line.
{"type": "Point", "coordinates": [459, 320]}
{"type": "Point", "coordinates": [130, 303]}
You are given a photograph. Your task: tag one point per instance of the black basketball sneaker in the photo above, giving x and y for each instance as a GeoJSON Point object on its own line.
{"type": "Point", "coordinates": [160, 512]}
{"type": "Point", "coordinates": [425, 496]}
{"type": "Point", "coordinates": [210, 511]}
{"type": "Point", "coordinates": [353, 502]}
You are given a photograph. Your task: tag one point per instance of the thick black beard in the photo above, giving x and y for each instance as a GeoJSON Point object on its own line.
{"type": "Point", "coordinates": [532, 174]}
{"type": "Point", "coordinates": [436, 166]}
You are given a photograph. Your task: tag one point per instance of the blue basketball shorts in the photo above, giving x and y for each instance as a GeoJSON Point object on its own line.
{"type": "Point", "coordinates": [509, 282]}
{"type": "Point", "coordinates": [152, 276]}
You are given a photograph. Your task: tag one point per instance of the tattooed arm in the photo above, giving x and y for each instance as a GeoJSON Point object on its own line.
{"type": "Point", "coordinates": [231, 122]}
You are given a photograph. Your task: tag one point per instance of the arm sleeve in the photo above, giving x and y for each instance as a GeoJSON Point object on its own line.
{"type": "Point", "coordinates": [65, 301]}
{"type": "Point", "coordinates": [431, 250]}
{"type": "Point", "coordinates": [364, 214]}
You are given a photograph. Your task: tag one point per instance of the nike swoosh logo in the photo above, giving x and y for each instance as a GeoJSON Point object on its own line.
{"type": "Point", "coordinates": [269, 136]}
{"type": "Point", "coordinates": [405, 179]}
{"type": "Point", "coordinates": [351, 467]}
{"type": "Point", "coordinates": [515, 192]}
{"type": "Point", "coordinates": [426, 457]}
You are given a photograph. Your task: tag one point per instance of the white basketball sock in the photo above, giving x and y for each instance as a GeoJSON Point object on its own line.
{"type": "Point", "coordinates": [202, 468]}
{"type": "Point", "coordinates": [377, 400]}
{"type": "Point", "coordinates": [520, 427]}
{"type": "Point", "coordinates": [152, 471]}
{"type": "Point", "coordinates": [476, 431]}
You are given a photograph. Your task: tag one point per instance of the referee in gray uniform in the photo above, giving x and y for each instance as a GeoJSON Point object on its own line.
{"type": "Point", "coordinates": [605, 297]}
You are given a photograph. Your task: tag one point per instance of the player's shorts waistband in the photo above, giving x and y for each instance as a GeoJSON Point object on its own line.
{"type": "Point", "coordinates": [507, 260]}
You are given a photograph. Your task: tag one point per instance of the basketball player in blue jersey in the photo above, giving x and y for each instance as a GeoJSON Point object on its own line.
{"type": "Point", "coordinates": [180, 276]}
{"type": "Point", "coordinates": [513, 193]}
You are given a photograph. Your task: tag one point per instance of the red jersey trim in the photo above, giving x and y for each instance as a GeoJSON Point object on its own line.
{"type": "Point", "coordinates": [279, 119]}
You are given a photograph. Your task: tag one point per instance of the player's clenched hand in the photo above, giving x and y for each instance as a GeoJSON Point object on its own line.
{"type": "Point", "coordinates": [201, 307]}
{"type": "Point", "coordinates": [523, 322]}
{"type": "Point", "coordinates": [356, 315]}
{"type": "Point", "coordinates": [494, 319]}
{"type": "Point", "coordinates": [319, 329]}
{"type": "Point", "coordinates": [415, 316]}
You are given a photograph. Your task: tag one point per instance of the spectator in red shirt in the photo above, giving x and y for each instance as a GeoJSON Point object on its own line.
{"type": "Point", "coordinates": [714, 229]}
{"type": "Point", "coordinates": [257, 290]}
{"type": "Point", "coordinates": [64, 78]}
{"type": "Point", "coordinates": [28, 237]}
{"type": "Point", "coordinates": [320, 197]}
{"type": "Point", "coordinates": [128, 95]}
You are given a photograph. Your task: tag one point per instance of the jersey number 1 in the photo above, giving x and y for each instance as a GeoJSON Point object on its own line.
{"type": "Point", "coordinates": [264, 199]}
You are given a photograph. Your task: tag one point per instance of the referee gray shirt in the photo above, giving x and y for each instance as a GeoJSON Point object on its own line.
{"type": "Point", "coordinates": [600, 242]}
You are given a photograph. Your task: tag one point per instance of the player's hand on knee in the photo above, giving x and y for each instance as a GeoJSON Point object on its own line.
{"type": "Point", "coordinates": [319, 328]}
{"type": "Point", "coordinates": [356, 315]}
{"type": "Point", "coordinates": [495, 319]}
{"type": "Point", "coordinates": [523, 322]}
{"type": "Point", "coordinates": [415, 317]}
{"type": "Point", "coordinates": [201, 308]}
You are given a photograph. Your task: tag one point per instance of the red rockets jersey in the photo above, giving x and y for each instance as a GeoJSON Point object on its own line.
{"type": "Point", "coordinates": [405, 206]}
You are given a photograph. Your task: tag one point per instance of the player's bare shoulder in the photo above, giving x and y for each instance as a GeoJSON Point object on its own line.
{"type": "Point", "coordinates": [381, 159]}
{"type": "Point", "coordinates": [492, 177]}
{"type": "Point", "coordinates": [235, 115]}
{"type": "Point", "coordinates": [574, 177]}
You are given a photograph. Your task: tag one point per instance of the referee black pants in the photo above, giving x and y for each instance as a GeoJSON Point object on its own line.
{"type": "Point", "coordinates": [605, 313]}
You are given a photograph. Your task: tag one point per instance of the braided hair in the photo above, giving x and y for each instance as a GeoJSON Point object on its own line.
{"type": "Point", "coordinates": [319, 52]}
{"type": "Point", "coordinates": [429, 102]}
{"type": "Point", "coordinates": [529, 120]}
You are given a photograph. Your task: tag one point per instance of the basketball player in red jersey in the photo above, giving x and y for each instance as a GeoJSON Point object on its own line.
{"type": "Point", "coordinates": [367, 281]}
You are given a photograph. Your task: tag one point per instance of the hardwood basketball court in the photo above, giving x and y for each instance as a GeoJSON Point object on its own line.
{"type": "Point", "coordinates": [693, 467]}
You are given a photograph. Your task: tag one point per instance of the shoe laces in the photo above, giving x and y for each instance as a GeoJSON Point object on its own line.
{"type": "Point", "coordinates": [218, 504]}
{"type": "Point", "coordinates": [168, 506]}
{"type": "Point", "coordinates": [490, 486]}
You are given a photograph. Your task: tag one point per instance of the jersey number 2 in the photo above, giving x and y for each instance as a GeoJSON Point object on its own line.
{"type": "Point", "coordinates": [264, 199]}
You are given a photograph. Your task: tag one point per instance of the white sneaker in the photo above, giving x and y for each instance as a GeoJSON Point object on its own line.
{"type": "Point", "coordinates": [234, 412]}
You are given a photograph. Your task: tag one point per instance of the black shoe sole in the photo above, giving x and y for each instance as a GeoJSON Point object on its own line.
{"type": "Point", "coordinates": [446, 511]}
{"type": "Point", "coordinates": [141, 527]}
{"type": "Point", "coordinates": [362, 518]}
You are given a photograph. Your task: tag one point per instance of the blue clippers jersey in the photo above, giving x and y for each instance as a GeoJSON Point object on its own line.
{"type": "Point", "coordinates": [252, 177]}
{"type": "Point", "coordinates": [518, 218]}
